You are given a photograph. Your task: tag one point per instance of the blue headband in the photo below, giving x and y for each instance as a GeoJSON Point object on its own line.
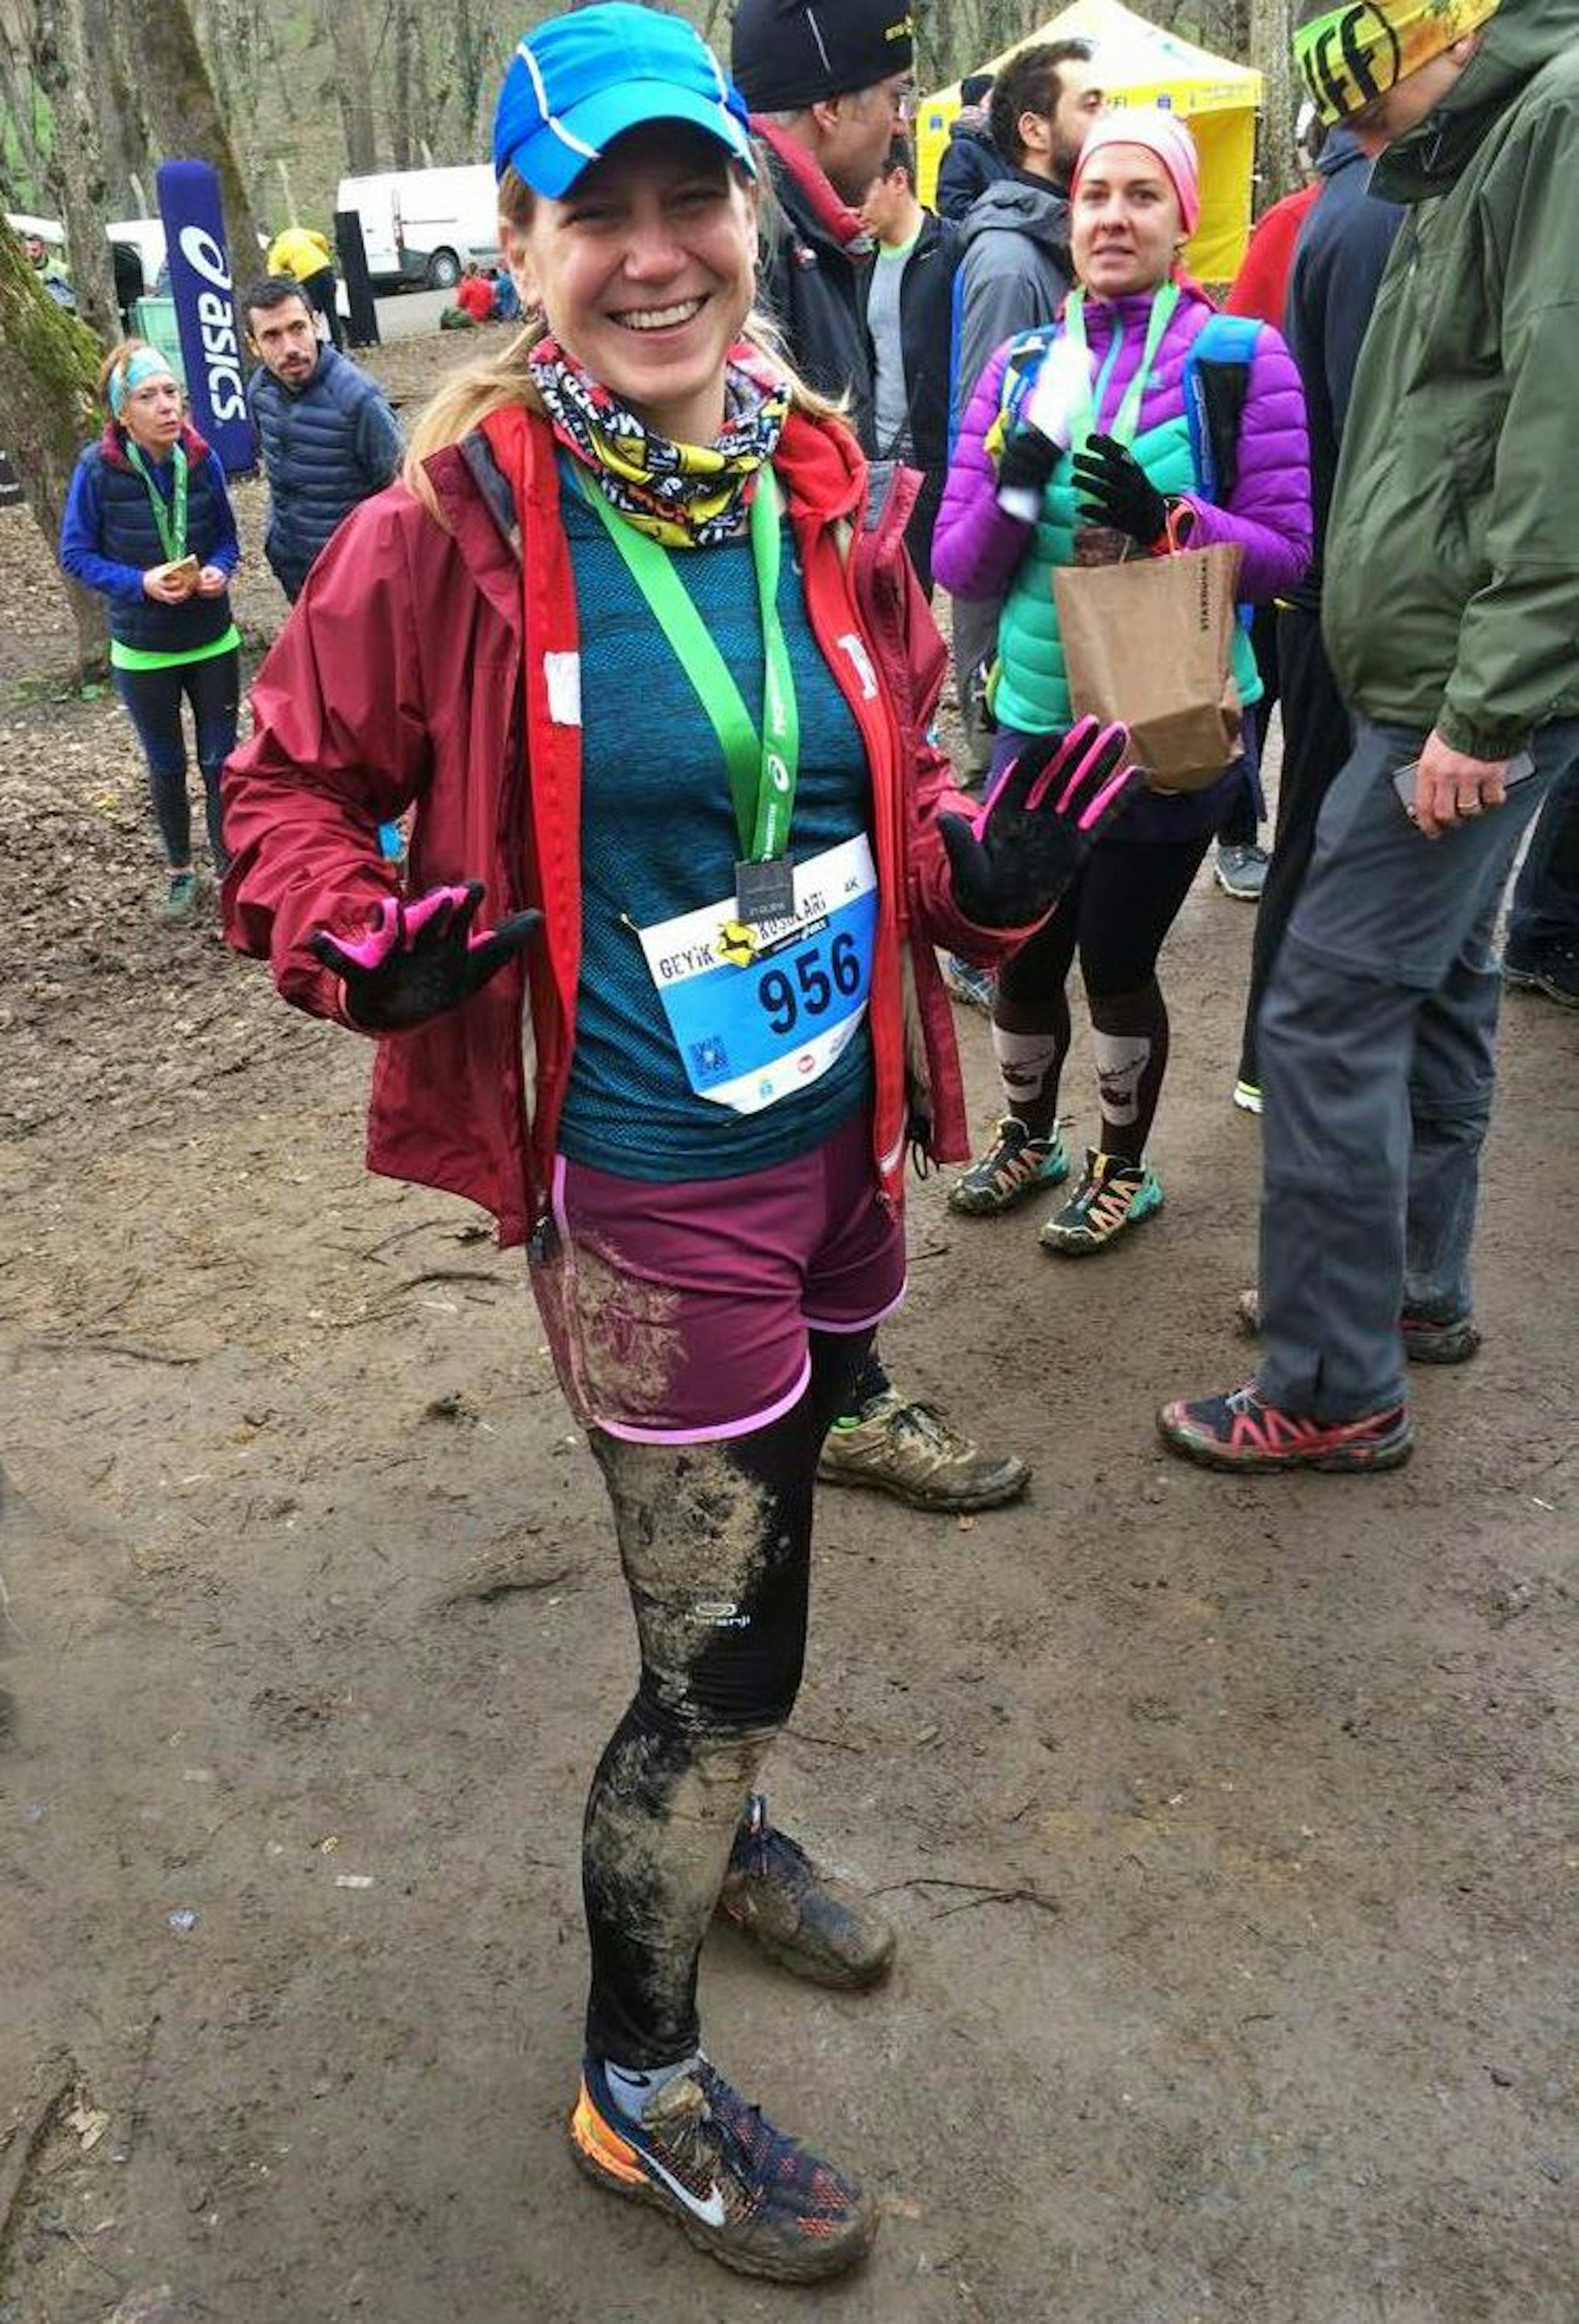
{"type": "Point", "coordinates": [138, 369]}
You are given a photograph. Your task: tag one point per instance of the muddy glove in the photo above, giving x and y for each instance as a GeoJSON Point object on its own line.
{"type": "Point", "coordinates": [1038, 823]}
{"type": "Point", "coordinates": [419, 959]}
{"type": "Point", "coordinates": [1122, 494]}
{"type": "Point", "coordinates": [1026, 462]}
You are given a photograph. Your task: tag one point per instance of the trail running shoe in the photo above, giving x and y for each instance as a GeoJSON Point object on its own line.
{"type": "Point", "coordinates": [809, 1921]}
{"type": "Point", "coordinates": [1014, 1165]}
{"type": "Point", "coordinates": [907, 1449]}
{"type": "Point", "coordinates": [1243, 1431]}
{"type": "Point", "coordinates": [1241, 871]}
{"type": "Point", "coordinates": [1554, 973]}
{"type": "Point", "coordinates": [742, 2191]}
{"type": "Point", "coordinates": [179, 901]}
{"type": "Point", "coordinates": [1428, 1339]}
{"type": "Point", "coordinates": [1247, 1096]}
{"type": "Point", "coordinates": [1110, 1196]}
{"type": "Point", "coordinates": [972, 987]}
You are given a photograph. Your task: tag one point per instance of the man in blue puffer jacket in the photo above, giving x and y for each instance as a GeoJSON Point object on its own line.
{"type": "Point", "coordinates": [329, 440]}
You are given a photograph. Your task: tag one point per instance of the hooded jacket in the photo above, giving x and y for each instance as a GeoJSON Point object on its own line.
{"type": "Point", "coordinates": [972, 161]}
{"type": "Point", "coordinates": [814, 256]}
{"type": "Point", "coordinates": [1452, 572]}
{"type": "Point", "coordinates": [358, 716]}
{"type": "Point", "coordinates": [1014, 272]}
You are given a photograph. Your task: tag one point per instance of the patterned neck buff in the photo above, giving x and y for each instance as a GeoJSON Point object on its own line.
{"type": "Point", "coordinates": [1357, 53]}
{"type": "Point", "coordinates": [686, 495]}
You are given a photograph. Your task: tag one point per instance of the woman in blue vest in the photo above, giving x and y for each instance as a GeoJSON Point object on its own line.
{"type": "Point", "coordinates": [1135, 329]}
{"type": "Point", "coordinates": [148, 497]}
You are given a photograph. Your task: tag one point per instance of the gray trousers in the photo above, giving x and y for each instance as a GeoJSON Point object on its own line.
{"type": "Point", "coordinates": [1377, 1042]}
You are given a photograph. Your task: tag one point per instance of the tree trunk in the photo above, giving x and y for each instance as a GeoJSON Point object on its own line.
{"type": "Point", "coordinates": [1271, 52]}
{"type": "Point", "coordinates": [74, 173]}
{"type": "Point", "coordinates": [347, 26]}
{"type": "Point", "coordinates": [49, 369]}
{"type": "Point", "coordinates": [471, 69]}
{"type": "Point", "coordinates": [185, 119]}
{"type": "Point", "coordinates": [405, 43]}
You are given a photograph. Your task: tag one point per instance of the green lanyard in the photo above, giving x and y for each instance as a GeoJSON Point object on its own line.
{"type": "Point", "coordinates": [762, 767]}
{"type": "Point", "coordinates": [171, 521]}
{"type": "Point", "coordinates": [1127, 419]}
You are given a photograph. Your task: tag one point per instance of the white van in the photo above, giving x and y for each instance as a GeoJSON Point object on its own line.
{"type": "Point", "coordinates": [420, 226]}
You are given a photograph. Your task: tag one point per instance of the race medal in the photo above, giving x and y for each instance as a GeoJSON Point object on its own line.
{"type": "Point", "coordinates": [764, 891]}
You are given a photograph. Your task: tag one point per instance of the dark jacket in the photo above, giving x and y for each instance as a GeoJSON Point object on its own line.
{"type": "Point", "coordinates": [1452, 564]}
{"type": "Point", "coordinates": [326, 449]}
{"type": "Point", "coordinates": [109, 539]}
{"type": "Point", "coordinates": [1015, 270]}
{"type": "Point", "coordinates": [810, 283]}
{"type": "Point", "coordinates": [1339, 259]}
{"type": "Point", "coordinates": [970, 164]}
{"type": "Point", "coordinates": [925, 321]}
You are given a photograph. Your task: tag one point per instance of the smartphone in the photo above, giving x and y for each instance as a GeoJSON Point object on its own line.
{"type": "Point", "coordinates": [1520, 768]}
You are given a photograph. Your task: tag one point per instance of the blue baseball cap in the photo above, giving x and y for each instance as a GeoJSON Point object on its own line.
{"type": "Point", "coordinates": [579, 81]}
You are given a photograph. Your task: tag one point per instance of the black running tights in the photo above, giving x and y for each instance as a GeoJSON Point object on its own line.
{"type": "Point", "coordinates": [716, 1543]}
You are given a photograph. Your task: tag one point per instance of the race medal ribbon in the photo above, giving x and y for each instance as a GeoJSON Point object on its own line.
{"type": "Point", "coordinates": [170, 521]}
{"type": "Point", "coordinates": [762, 767]}
{"type": "Point", "coordinates": [1127, 419]}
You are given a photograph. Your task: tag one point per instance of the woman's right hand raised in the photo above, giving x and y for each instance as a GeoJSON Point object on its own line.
{"type": "Point", "coordinates": [1038, 822]}
{"type": "Point", "coordinates": [421, 958]}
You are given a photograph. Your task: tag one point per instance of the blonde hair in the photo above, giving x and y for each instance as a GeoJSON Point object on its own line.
{"type": "Point", "coordinates": [501, 379]}
{"type": "Point", "coordinates": [115, 364]}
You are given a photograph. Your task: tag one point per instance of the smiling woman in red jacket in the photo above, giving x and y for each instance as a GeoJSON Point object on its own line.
{"type": "Point", "coordinates": [655, 679]}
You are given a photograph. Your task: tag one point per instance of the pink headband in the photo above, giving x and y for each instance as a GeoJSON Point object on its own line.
{"type": "Point", "coordinates": [1162, 135]}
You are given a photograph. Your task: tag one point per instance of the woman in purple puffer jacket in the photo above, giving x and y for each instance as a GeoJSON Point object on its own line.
{"type": "Point", "coordinates": [1135, 199]}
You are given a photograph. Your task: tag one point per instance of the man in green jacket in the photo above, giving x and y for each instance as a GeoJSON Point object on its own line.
{"type": "Point", "coordinates": [1452, 622]}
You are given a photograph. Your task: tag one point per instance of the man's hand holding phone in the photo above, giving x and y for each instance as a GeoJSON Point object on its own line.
{"type": "Point", "coordinates": [1450, 786]}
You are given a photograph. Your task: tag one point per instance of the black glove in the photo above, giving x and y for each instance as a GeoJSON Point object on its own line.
{"type": "Point", "coordinates": [1026, 461]}
{"type": "Point", "coordinates": [1038, 823]}
{"type": "Point", "coordinates": [418, 959]}
{"type": "Point", "coordinates": [1125, 495]}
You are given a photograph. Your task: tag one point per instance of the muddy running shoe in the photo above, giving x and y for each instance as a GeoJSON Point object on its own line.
{"type": "Point", "coordinates": [179, 901]}
{"type": "Point", "coordinates": [1247, 1096]}
{"type": "Point", "coordinates": [1428, 1339]}
{"type": "Point", "coordinates": [1241, 871]}
{"type": "Point", "coordinates": [1110, 1196]}
{"type": "Point", "coordinates": [742, 2191]}
{"type": "Point", "coordinates": [907, 1449]}
{"type": "Point", "coordinates": [1243, 1431]}
{"type": "Point", "coordinates": [972, 987]}
{"type": "Point", "coordinates": [811, 1923]}
{"type": "Point", "coordinates": [1014, 1165]}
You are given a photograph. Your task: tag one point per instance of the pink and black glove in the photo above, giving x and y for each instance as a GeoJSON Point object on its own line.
{"type": "Point", "coordinates": [1038, 822]}
{"type": "Point", "coordinates": [419, 959]}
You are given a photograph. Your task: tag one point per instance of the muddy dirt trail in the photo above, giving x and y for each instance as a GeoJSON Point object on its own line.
{"type": "Point", "coordinates": [1228, 1826]}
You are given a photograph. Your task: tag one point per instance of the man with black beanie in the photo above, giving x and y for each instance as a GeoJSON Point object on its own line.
{"type": "Point", "coordinates": [828, 84]}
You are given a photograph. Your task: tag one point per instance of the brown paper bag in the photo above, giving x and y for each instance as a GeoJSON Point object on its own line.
{"type": "Point", "coordinates": [1148, 642]}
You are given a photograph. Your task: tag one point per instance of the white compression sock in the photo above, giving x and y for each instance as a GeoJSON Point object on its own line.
{"type": "Point", "coordinates": [1024, 1062]}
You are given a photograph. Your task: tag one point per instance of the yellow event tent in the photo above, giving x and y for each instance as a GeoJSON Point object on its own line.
{"type": "Point", "coordinates": [1143, 64]}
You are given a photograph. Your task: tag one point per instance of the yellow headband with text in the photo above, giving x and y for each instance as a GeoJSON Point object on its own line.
{"type": "Point", "coordinates": [1355, 54]}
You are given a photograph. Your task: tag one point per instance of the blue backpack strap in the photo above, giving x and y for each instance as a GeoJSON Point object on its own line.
{"type": "Point", "coordinates": [1229, 342]}
{"type": "Point", "coordinates": [956, 314]}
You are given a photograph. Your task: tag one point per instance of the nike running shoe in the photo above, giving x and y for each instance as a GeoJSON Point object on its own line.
{"type": "Point", "coordinates": [743, 2191]}
{"type": "Point", "coordinates": [1428, 1339]}
{"type": "Point", "coordinates": [1112, 1196]}
{"type": "Point", "coordinates": [1247, 1096]}
{"type": "Point", "coordinates": [1244, 1431]}
{"type": "Point", "coordinates": [1014, 1165]}
{"type": "Point", "coordinates": [806, 1920]}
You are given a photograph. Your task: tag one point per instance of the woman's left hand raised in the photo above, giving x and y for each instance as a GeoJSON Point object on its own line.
{"type": "Point", "coordinates": [1118, 491]}
{"type": "Point", "coordinates": [1038, 823]}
